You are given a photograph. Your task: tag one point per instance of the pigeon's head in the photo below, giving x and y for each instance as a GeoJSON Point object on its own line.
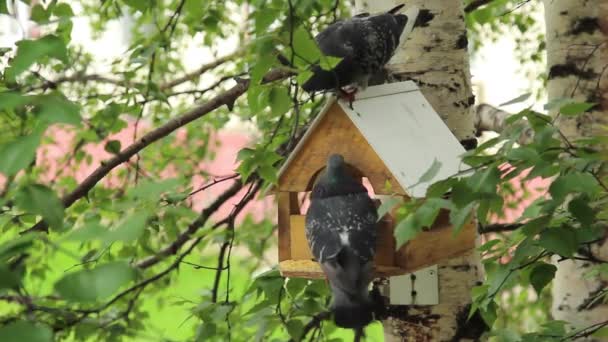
{"type": "Point", "coordinates": [335, 166]}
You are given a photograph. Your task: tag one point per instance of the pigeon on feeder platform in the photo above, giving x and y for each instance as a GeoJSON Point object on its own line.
{"type": "Point", "coordinates": [365, 43]}
{"type": "Point", "coordinates": [341, 232]}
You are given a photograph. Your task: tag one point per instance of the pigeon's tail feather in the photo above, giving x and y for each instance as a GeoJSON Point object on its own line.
{"type": "Point", "coordinates": [353, 317]}
{"type": "Point", "coordinates": [411, 14]}
{"type": "Point", "coordinates": [395, 9]}
{"type": "Point", "coordinates": [283, 60]}
{"type": "Point", "coordinates": [321, 80]}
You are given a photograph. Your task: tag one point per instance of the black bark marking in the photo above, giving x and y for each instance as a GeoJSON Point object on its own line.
{"type": "Point", "coordinates": [585, 25]}
{"type": "Point", "coordinates": [469, 144]}
{"type": "Point", "coordinates": [462, 41]}
{"type": "Point", "coordinates": [591, 301]}
{"type": "Point", "coordinates": [424, 17]}
{"type": "Point", "coordinates": [570, 69]}
{"type": "Point", "coordinates": [563, 13]}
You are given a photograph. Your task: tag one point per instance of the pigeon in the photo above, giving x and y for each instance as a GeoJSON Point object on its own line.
{"type": "Point", "coordinates": [341, 233]}
{"type": "Point", "coordinates": [365, 43]}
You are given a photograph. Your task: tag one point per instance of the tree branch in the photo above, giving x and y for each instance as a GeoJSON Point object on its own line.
{"type": "Point", "coordinates": [201, 70]}
{"type": "Point", "coordinates": [175, 246]}
{"type": "Point", "coordinates": [226, 98]}
{"type": "Point", "coordinates": [498, 228]}
{"type": "Point", "coordinates": [490, 118]}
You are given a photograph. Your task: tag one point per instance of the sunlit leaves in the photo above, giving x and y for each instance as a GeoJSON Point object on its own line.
{"type": "Point", "coordinates": [100, 282]}
{"type": "Point", "coordinates": [423, 217]}
{"type": "Point", "coordinates": [41, 200]}
{"type": "Point", "coordinates": [32, 51]}
{"type": "Point", "coordinates": [260, 161]}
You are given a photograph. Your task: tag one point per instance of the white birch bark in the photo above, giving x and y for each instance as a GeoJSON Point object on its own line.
{"type": "Point", "coordinates": [436, 58]}
{"type": "Point", "coordinates": [577, 60]}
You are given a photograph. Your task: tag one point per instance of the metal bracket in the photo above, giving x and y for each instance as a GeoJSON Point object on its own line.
{"type": "Point", "coordinates": [418, 288]}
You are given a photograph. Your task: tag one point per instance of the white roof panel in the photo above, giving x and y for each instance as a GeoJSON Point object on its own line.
{"type": "Point", "coordinates": [406, 132]}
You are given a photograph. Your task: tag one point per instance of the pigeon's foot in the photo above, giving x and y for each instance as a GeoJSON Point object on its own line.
{"type": "Point", "coordinates": [349, 95]}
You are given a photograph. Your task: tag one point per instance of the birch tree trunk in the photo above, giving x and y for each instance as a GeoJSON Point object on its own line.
{"type": "Point", "coordinates": [577, 56]}
{"type": "Point", "coordinates": [435, 57]}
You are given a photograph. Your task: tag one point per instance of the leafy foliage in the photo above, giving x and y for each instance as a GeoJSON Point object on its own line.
{"type": "Point", "coordinates": [136, 251]}
{"type": "Point", "coordinates": [560, 225]}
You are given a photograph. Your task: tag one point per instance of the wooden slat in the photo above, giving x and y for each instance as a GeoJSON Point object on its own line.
{"type": "Point", "coordinates": [284, 211]}
{"type": "Point", "coordinates": [435, 245]}
{"type": "Point", "coordinates": [336, 133]}
{"type": "Point", "coordinates": [428, 248]}
{"type": "Point", "coordinates": [311, 270]}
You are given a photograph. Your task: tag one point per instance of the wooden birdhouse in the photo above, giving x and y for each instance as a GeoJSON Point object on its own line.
{"type": "Point", "coordinates": [391, 137]}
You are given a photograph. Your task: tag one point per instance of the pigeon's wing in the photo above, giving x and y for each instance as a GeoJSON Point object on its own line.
{"type": "Point", "coordinates": [347, 221]}
{"type": "Point", "coordinates": [321, 231]}
{"type": "Point", "coordinates": [353, 223]}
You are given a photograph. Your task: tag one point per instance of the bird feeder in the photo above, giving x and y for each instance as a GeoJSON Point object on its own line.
{"type": "Point", "coordinates": [391, 137]}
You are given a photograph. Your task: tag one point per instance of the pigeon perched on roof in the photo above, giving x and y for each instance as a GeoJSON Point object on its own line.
{"type": "Point", "coordinates": [341, 233]}
{"type": "Point", "coordinates": [365, 43]}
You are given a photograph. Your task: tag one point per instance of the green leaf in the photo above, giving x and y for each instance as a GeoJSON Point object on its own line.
{"type": "Point", "coordinates": [440, 188]}
{"type": "Point", "coordinates": [55, 108]}
{"type": "Point", "coordinates": [541, 276]}
{"type": "Point", "coordinates": [406, 230]}
{"type": "Point", "coordinates": [573, 109]}
{"type": "Point", "coordinates": [16, 246]}
{"type": "Point", "coordinates": [280, 102]}
{"type": "Point", "coordinates": [40, 14]}
{"type": "Point", "coordinates": [151, 189]}
{"type": "Point", "coordinates": [11, 100]}
{"type": "Point", "coordinates": [387, 205]}
{"type": "Point", "coordinates": [63, 10]}
{"type": "Point", "coordinates": [601, 333]}
{"type": "Point", "coordinates": [257, 97]}
{"type": "Point", "coordinates": [41, 200]}
{"type": "Point", "coordinates": [520, 98]}
{"type": "Point", "coordinates": [129, 229]}
{"type": "Point", "coordinates": [95, 284]}
{"type": "Point", "coordinates": [329, 62]}
{"type": "Point", "coordinates": [268, 173]}
{"type": "Point", "coordinates": [261, 66]}
{"type": "Point", "coordinates": [19, 153]}
{"type": "Point", "coordinates": [534, 226]}
{"type": "Point", "coordinates": [140, 5]}
{"type": "Point", "coordinates": [245, 153]}
{"type": "Point", "coordinates": [580, 209]}
{"type": "Point", "coordinates": [8, 278]}
{"type": "Point", "coordinates": [431, 172]}
{"type": "Point", "coordinates": [460, 216]}
{"type": "Point", "coordinates": [88, 232]}
{"type": "Point", "coordinates": [506, 335]}
{"type": "Point", "coordinates": [573, 182]}
{"type": "Point", "coordinates": [305, 46]}
{"type": "Point", "coordinates": [112, 146]}
{"type": "Point", "coordinates": [32, 51]}
{"type": "Point", "coordinates": [559, 240]}
{"type": "Point", "coordinates": [25, 331]}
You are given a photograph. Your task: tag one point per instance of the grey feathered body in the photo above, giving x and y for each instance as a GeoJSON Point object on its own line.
{"type": "Point", "coordinates": [365, 42]}
{"type": "Point", "coordinates": [341, 232]}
